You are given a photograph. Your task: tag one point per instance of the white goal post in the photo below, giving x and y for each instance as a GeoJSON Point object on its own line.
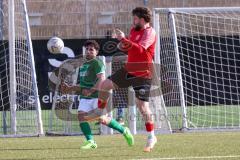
{"type": "Point", "coordinates": [19, 104]}
{"type": "Point", "coordinates": [199, 53]}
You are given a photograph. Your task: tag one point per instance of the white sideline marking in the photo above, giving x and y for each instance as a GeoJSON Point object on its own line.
{"type": "Point", "coordinates": [204, 157]}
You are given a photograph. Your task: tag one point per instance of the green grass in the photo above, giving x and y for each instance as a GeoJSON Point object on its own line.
{"type": "Point", "coordinates": [200, 116]}
{"type": "Point", "coordinates": [181, 146]}
{"type": "Point", "coordinates": [214, 116]}
{"type": "Point", "coordinates": [26, 122]}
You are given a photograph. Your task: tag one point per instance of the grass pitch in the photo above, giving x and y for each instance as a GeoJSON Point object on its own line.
{"type": "Point", "coordinates": [222, 145]}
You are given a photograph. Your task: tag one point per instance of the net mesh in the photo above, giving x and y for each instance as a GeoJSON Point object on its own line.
{"type": "Point", "coordinates": [208, 47]}
{"type": "Point", "coordinates": [26, 98]}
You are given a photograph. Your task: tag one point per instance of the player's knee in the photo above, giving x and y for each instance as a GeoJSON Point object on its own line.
{"type": "Point", "coordinates": [107, 85]}
{"type": "Point", "coordinates": [104, 120]}
{"type": "Point", "coordinates": [144, 109]}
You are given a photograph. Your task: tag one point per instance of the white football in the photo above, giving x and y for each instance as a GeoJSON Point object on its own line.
{"type": "Point", "coordinates": [55, 45]}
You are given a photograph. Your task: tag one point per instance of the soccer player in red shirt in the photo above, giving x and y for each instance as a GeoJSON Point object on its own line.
{"type": "Point", "coordinates": [137, 72]}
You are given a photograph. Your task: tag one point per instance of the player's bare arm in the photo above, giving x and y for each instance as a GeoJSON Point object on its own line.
{"type": "Point", "coordinates": [66, 89]}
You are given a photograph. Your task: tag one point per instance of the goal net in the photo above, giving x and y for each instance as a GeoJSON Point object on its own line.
{"type": "Point", "coordinates": [20, 113]}
{"type": "Point", "coordinates": [199, 50]}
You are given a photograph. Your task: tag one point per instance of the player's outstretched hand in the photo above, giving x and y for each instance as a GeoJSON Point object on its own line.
{"type": "Point", "coordinates": [119, 34]}
{"type": "Point", "coordinates": [65, 88]}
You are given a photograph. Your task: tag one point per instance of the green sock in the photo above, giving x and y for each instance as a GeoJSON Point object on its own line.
{"type": "Point", "coordinates": [115, 125]}
{"type": "Point", "coordinates": [85, 127]}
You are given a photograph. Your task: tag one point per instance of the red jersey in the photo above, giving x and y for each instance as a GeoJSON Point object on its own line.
{"type": "Point", "coordinates": [140, 52]}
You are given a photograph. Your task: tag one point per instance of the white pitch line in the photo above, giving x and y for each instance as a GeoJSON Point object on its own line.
{"type": "Point", "coordinates": [204, 157]}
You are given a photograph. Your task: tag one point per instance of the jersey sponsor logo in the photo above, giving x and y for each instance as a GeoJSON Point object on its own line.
{"type": "Point", "coordinates": [83, 70]}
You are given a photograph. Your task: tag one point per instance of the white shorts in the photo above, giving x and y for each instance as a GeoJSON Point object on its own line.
{"type": "Point", "coordinates": [87, 105]}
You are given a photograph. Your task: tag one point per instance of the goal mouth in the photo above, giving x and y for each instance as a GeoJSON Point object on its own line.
{"type": "Point", "coordinates": [199, 47]}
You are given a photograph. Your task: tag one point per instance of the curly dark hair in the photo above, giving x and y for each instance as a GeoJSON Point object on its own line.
{"type": "Point", "coordinates": [142, 12]}
{"type": "Point", "coordinates": [92, 43]}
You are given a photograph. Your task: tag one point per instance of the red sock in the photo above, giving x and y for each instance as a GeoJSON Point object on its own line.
{"type": "Point", "coordinates": [102, 104]}
{"type": "Point", "coordinates": [149, 126]}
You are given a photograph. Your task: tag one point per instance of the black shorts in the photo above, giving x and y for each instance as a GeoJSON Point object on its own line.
{"type": "Point", "coordinates": [140, 85]}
